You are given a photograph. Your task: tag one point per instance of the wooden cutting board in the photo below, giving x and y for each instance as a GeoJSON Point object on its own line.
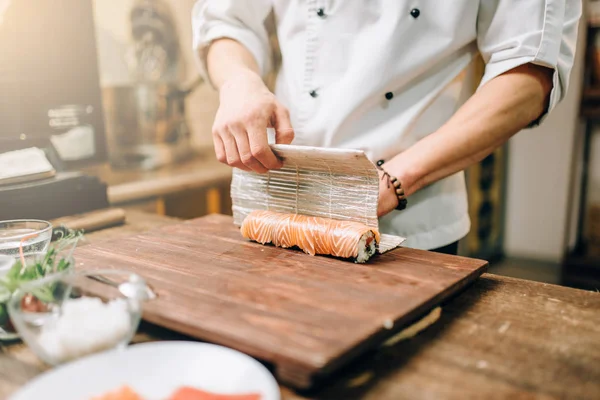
{"type": "Point", "coordinates": [305, 315]}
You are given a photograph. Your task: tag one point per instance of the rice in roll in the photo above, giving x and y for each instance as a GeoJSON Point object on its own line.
{"type": "Point", "coordinates": [313, 235]}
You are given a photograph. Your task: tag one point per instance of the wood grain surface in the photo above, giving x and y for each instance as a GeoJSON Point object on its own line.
{"type": "Point", "coordinates": [306, 315]}
{"type": "Point", "coordinates": [503, 338]}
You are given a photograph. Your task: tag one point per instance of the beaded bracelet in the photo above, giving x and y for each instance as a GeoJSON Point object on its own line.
{"type": "Point", "coordinates": [402, 202]}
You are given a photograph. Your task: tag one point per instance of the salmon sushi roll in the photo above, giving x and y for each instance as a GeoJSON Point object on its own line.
{"type": "Point", "coordinates": [313, 235]}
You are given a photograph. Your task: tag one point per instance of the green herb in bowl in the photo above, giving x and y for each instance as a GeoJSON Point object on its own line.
{"type": "Point", "coordinates": [31, 267]}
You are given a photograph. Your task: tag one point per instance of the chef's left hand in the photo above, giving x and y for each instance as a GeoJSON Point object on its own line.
{"type": "Point", "coordinates": [388, 201]}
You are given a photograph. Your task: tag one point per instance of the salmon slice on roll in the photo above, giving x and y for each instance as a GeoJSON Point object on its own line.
{"type": "Point", "coordinates": [313, 235]}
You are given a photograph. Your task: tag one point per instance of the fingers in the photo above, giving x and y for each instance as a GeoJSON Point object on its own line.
{"type": "Point", "coordinates": [259, 145]}
{"type": "Point", "coordinates": [232, 155]}
{"type": "Point", "coordinates": [246, 157]}
{"type": "Point", "coordinates": [241, 139]}
{"type": "Point", "coordinates": [284, 133]}
{"type": "Point", "coordinates": [219, 148]}
{"type": "Point", "coordinates": [235, 147]}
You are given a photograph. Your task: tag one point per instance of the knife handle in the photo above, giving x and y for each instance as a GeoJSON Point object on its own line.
{"type": "Point", "coordinates": [94, 220]}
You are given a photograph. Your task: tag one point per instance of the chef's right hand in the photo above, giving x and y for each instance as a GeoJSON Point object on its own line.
{"type": "Point", "coordinates": [247, 108]}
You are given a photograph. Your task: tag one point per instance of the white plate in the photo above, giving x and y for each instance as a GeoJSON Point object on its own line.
{"type": "Point", "coordinates": [155, 371]}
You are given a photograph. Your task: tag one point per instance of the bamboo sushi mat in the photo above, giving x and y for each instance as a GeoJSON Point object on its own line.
{"type": "Point", "coordinates": [341, 184]}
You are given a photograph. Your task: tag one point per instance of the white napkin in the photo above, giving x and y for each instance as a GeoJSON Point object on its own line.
{"type": "Point", "coordinates": [24, 165]}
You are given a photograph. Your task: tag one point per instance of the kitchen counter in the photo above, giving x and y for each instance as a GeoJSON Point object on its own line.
{"type": "Point", "coordinates": [131, 185]}
{"type": "Point", "coordinates": [500, 338]}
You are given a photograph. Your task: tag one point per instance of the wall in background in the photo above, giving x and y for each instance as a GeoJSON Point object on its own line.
{"type": "Point", "coordinates": [113, 38]}
{"type": "Point", "coordinates": [202, 105]}
{"type": "Point", "coordinates": [539, 177]}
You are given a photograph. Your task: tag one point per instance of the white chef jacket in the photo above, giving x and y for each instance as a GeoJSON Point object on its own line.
{"type": "Point", "coordinates": [379, 75]}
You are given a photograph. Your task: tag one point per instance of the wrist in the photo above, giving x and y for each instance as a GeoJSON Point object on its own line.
{"type": "Point", "coordinates": [407, 175]}
{"type": "Point", "coordinates": [388, 200]}
{"type": "Point", "coordinates": [239, 74]}
{"type": "Point", "coordinates": [391, 192]}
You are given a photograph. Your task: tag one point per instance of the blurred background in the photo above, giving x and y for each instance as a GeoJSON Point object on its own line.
{"type": "Point", "coordinates": [109, 90]}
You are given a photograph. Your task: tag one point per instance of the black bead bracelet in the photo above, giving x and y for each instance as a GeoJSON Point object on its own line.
{"type": "Point", "coordinates": [402, 202]}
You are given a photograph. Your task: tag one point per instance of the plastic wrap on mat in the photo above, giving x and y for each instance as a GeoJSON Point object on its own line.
{"type": "Point", "coordinates": [341, 184]}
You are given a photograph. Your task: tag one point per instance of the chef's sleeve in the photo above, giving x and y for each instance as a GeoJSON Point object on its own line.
{"type": "Point", "coordinates": [240, 20]}
{"type": "Point", "coordinates": [511, 33]}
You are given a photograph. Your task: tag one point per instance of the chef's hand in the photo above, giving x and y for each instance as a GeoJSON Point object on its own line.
{"type": "Point", "coordinates": [388, 201]}
{"type": "Point", "coordinates": [247, 108]}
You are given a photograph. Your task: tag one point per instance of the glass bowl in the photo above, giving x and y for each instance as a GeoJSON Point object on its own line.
{"type": "Point", "coordinates": [28, 275]}
{"type": "Point", "coordinates": [70, 315]}
{"type": "Point", "coordinates": [35, 235]}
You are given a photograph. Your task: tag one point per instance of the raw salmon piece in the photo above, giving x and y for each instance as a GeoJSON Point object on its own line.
{"type": "Point", "coordinates": [124, 393]}
{"type": "Point", "coordinates": [188, 393]}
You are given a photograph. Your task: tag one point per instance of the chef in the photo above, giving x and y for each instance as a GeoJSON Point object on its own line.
{"type": "Point", "coordinates": [395, 78]}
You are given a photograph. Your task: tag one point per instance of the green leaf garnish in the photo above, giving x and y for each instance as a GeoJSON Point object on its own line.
{"type": "Point", "coordinates": [49, 264]}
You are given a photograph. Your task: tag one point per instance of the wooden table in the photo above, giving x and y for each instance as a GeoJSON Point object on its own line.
{"type": "Point", "coordinates": [501, 338]}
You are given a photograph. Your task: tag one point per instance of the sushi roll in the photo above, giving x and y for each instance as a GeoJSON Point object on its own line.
{"type": "Point", "coordinates": [313, 235]}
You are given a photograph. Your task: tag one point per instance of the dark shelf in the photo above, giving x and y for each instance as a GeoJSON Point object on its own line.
{"type": "Point", "coordinates": [579, 268]}
{"type": "Point", "coordinates": [589, 112]}
{"type": "Point", "coordinates": [581, 271]}
{"type": "Point", "coordinates": [590, 103]}
{"type": "Point", "coordinates": [591, 94]}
